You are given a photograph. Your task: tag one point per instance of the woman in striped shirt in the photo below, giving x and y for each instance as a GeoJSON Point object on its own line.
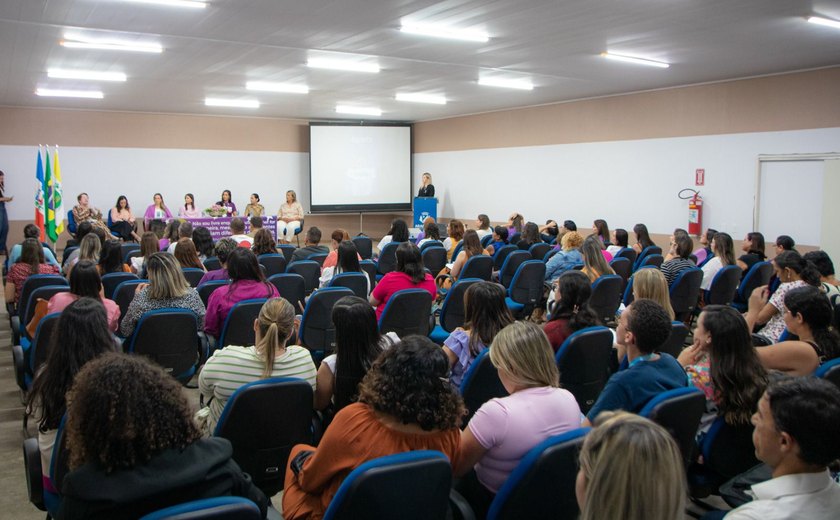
{"type": "Point", "coordinates": [232, 366]}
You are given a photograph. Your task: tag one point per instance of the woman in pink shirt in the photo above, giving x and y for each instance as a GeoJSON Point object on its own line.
{"type": "Point", "coordinates": [504, 429]}
{"type": "Point", "coordinates": [410, 274]}
{"type": "Point", "coordinates": [85, 282]}
{"type": "Point", "coordinates": [247, 281]}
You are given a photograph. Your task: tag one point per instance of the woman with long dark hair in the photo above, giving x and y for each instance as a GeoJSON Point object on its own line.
{"type": "Point", "coordinates": [188, 210]}
{"type": "Point", "coordinates": [123, 221]}
{"type": "Point", "coordinates": [619, 241]}
{"type": "Point", "coordinates": [808, 315]}
{"type": "Point", "coordinates": [348, 262]}
{"type": "Point", "coordinates": [724, 365]}
{"type": "Point", "coordinates": [485, 314]}
{"type": "Point", "coordinates": [186, 254]}
{"type": "Point", "coordinates": [81, 335]}
{"type": "Point", "coordinates": [31, 262]}
{"type": "Point", "coordinates": [247, 281]}
{"type": "Point", "coordinates": [602, 231]}
{"type": "Point", "coordinates": [409, 274]}
{"type": "Point", "coordinates": [753, 248]}
{"type": "Point", "coordinates": [264, 243]}
{"type": "Point", "coordinates": [397, 233]}
{"type": "Point", "coordinates": [642, 238]}
{"type": "Point", "coordinates": [203, 242]}
{"type": "Point", "coordinates": [110, 260]}
{"type": "Point", "coordinates": [227, 204]}
{"type": "Point", "coordinates": [149, 245]}
{"type": "Point", "coordinates": [530, 236]}
{"type": "Point", "coordinates": [571, 308]}
{"type": "Point", "coordinates": [85, 282]}
{"type": "Point", "coordinates": [768, 311]}
{"type": "Point", "coordinates": [724, 255]}
{"type": "Point", "coordinates": [471, 247]}
{"type": "Point", "coordinates": [357, 345]}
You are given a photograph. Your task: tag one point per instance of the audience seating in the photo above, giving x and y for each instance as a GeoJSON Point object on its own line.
{"type": "Point", "coordinates": [170, 338]}
{"type": "Point", "coordinates": [193, 275]}
{"type": "Point", "coordinates": [356, 282]}
{"type": "Point", "coordinates": [110, 281]}
{"type": "Point", "coordinates": [318, 257]}
{"type": "Point", "coordinates": [369, 267]}
{"type": "Point", "coordinates": [309, 270]}
{"type": "Point", "coordinates": [584, 363]}
{"type": "Point", "coordinates": [317, 331]}
{"type": "Point", "coordinates": [274, 263]}
{"type": "Point", "coordinates": [539, 250]}
{"type": "Point", "coordinates": [218, 508]}
{"type": "Point", "coordinates": [292, 287]}
{"type": "Point", "coordinates": [684, 292]}
{"type": "Point", "coordinates": [758, 275]}
{"type": "Point", "coordinates": [284, 408]}
{"type": "Point", "coordinates": [287, 250]}
{"type": "Point", "coordinates": [628, 297]}
{"type": "Point", "coordinates": [652, 260]}
{"type": "Point", "coordinates": [515, 238]}
{"type": "Point", "coordinates": [457, 249]}
{"type": "Point", "coordinates": [431, 243]}
{"type": "Point", "coordinates": [623, 268]}
{"type": "Point", "coordinates": [212, 263]}
{"type": "Point", "coordinates": [830, 370]}
{"type": "Point", "coordinates": [548, 255]}
{"type": "Point", "coordinates": [414, 485]}
{"type": "Point", "coordinates": [434, 258]}
{"type": "Point", "coordinates": [39, 497]}
{"type": "Point", "coordinates": [387, 260]}
{"type": "Point", "coordinates": [542, 486]}
{"type": "Point", "coordinates": [134, 253]}
{"type": "Point", "coordinates": [629, 253]}
{"type": "Point", "coordinates": [407, 312]}
{"type": "Point", "coordinates": [500, 255]}
{"type": "Point", "coordinates": [452, 310]}
{"type": "Point", "coordinates": [676, 341]}
{"type": "Point", "coordinates": [706, 260]}
{"type": "Point", "coordinates": [44, 292]}
{"type": "Point", "coordinates": [238, 328]}
{"type": "Point", "coordinates": [29, 285]}
{"type": "Point", "coordinates": [66, 255]}
{"type": "Point", "coordinates": [512, 262]}
{"type": "Point", "coordinates": [724, 285]}
{"type": "Point", "coordinates": [128, 247]}
{"type": "Point", "coordinates": [477, 266]}
{"type": "Point", "coordinates": [727, 451]}
{"type": "Point", "coordinates": [205, 290]}
{"type": "Point", "coordinates": [297, 232]}
{"type": "Point", "coordinates": [526, 288]}
{"type": "Point", "coordinates": [606, 296]}
{"type": "Point", "coordinates": [649, 250]}
{"type": "Point", "coordinates": [41, 343]}
{"type": "Point", "coordinates": [479, 384]}
{"type": "Point", "coordinates": [71, 223]}
{"type": "Point", "coordinates": [678, 411]}
{"type": "Point", "coordinates": [364, 246]}
{"type": "Point", "coordinates": [486, 239]}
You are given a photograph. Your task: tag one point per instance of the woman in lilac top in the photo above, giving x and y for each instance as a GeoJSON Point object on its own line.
{"type": "Point", "coordinates": [246, 282]}
{"type": "Point", "coordinates": [227, 203]}
{"type": "Point", "coordinates": [504, 429]}
{"type": "Point", "coordinates": [157, 210]}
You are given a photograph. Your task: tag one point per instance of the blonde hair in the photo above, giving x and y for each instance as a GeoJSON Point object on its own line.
{"type": "Point", "coordinates": [427, 174]}
{"type": "Point", "coordinates": [633, 470]}
{"type": "Point", "coordinates": [276, 321]}
{"type": "Point", "coordinates": [90, 247]}
{"type": "Point", "coordinates": [594, 263]}
{"type": "Point", "coordinates": [166, 280]}
{"type": "Point", "coordinates": [294, 195]}
{"type": "Point", "coordinates": [571, 240]}
{"type": "Point", "coordinates": [522, 350]}
{"type": "Point", "coordinates": [650, 284]}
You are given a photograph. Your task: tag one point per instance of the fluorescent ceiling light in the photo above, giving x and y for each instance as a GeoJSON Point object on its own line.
{"type": "Point", "coordinates": [173, 3]}
{"type": "Point", "coordinates": [277, 87]}
{"type": "Point", "coordinates": [86, 74]}
{"type": "Point", "coordinates": [49, 92]}
{"type": "Point", "coordinates": [637, 61]}
{"type": "Point", "coordinates": [422, 98]}
{"type": "Point", "coordinates": [492, 81]}
{"type": "Point", "coordinates": [363, 111]}
{"type": "Point", "coordinates": [233, 103]}
{"type": "Point", "coordinates": [819, 20]}
{"type": "Point", "coordinates": [451, 33]}
{"type": "Point", "coordinates": [353, 66]}
{"type": "Point", "coordinates": [77, 41]}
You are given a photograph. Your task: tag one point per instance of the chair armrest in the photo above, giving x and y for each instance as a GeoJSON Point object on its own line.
{"type": "Point", "coordinates": [20, 366]}
{"type": "Point", "coordinates": [459, 507]}
{"type": "Point", "coordinates": [32, 468]}
{"type": "Point", "coordinates": [15, 326]}
{"type": "Point", "coordinates": [203, 347]}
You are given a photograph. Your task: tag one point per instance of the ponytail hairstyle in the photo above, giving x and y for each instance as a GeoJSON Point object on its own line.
{"type": "Point", "coordinates": [806, 270]}
{"type": "Point", "coordinates": [276, 322]}
{"type": "Point", "coordinates": [816, 312]}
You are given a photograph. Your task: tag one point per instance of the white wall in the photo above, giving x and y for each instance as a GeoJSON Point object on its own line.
{"type": "Point", "coordinates": [105, 173]}
{"type": "Point", "coordinates": [623, 182]}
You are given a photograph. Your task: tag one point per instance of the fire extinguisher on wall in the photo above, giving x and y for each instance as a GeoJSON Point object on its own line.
{"type": "Point", "coordinates": [695, 211]}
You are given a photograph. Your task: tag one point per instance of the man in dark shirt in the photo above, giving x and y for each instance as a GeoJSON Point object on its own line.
{"type": "Point", "coordinates": [310, 245]}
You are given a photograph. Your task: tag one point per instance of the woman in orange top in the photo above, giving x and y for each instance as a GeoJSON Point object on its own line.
{"type": "Point", "coordinates": [405, 403]}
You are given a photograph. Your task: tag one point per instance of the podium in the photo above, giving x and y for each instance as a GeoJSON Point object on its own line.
{"type": "Point", "coordinates": [424, 207]}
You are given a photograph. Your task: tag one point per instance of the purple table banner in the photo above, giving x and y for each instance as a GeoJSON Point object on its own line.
{"type": "Point", "coordinates": [219, 227]}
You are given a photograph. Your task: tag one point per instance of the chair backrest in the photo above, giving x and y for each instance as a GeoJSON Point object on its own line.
{"type": "Point", "coordinates": [169, 337]}
{"type": "Point", "coordinates": [629, 253]}
{"type": "Point", "coordinates": [623, 268]}
{"type": "Point", "coordinates": [539, 250]}
{"type": "Point", "coordinates": [676, 341]}
{"type": "Point", "coordinates": [42, 341]}
{"type": "Point", "coordinates": [486, 239]}
{"type": "Point", "coordinates": [239, 324]}
{"type": "Point", "coordinates": [706, 260]}
{"type": "Point", "coordinates": [364, 246]}
{"type": "Point", "coordinates": [830, 370]}
{"type": "Point", "coordinates": [542, 485]}
{"type": "Point", "coordinates": [413, 485]}
{"type": "Point", "coordinates": [318, 257]}
{"type": "Point", "coordinates": [628, 297]}
{"type": "Point", "coordinates": [44, 292]}
{"type": "Point", "coordinates": [65, 256]}
{"type": "Point", "coordinates": [60, 460]}
{"type": "Point", "coordinates": [284, 408]}
{"type": "Point", "coordinates": [110, 281]}
{"type": "Point", "coordinates": [387, 258]}
{"type": "Point", "coordinates": [193, 275]}
{"type": "Point", "coordinates": [480, 384]}
{"type": "Point", "coordinates": [502, 253]}
{"type": "Point", "coordinates": [134, 253]}
{"type": "Point", "coordinates": [606, 296]}
{"type": "Point", "coordinates": [512, 262]}
{"type": "Point", "coordinates": [216, 508]}
{"type": "Point", "coordinates": [434, 258]}
{"type": "Point", "coordinates": [678, 411]}
{"type": "Point", "coordinates": [212, 263]}
{"type": "Point", "coordinates": [407, 312]}
{"type": "Point", "coordinates": [652, 260]}
{"type": "Point", "coordinates": [649, 250]}
{"type": "Point", "coordinates": [274, 263]}
{"type": "Point", "coordinates": [430, 243]}
{"type": "Point", "coordinates": [206, 289]}
{"type": "Point", "coordinates": [124, 294]}
{"type": "Point", "coordinates": [526, 287]}
{"type": "Point", "coordinates": [724, 285]}
{"type": "Point", "coordinates": [685, 292]}
{"type": "Point", "coordinates": [369, 267]}
{"type": "Point", "coordinates": [584, 363]}
{"type": "Point", "coordinates": [515, 238]}
{"type": "Point", "coordinates": [30, 284]}
{"type": "Point", "coordinates": [292, 287]}
{"type": "Point", "coordinates": [71, 223]}
{"type": "Point", "coordinates": [356, 282]}
{"type": "Point", "coordinates": [317, 331]}
{"type": "Point", "coordinates": [728, 450]}
{"type": "Point", "coordinates": [310, 270]}
{"type": "Point", "coordinates": [287, 250]}
{"type": "Point", "coordinates": [457, 249]}
{"type": "Point", "coordinates": [478, 266]}
{"type": "Point", "coordinates": [758, 275]}
{"type": "Point", "coordinates": [452, 310]}
{"type": "Point", "coordinates": [127, 247]}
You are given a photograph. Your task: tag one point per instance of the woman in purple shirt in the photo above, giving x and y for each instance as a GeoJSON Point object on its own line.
{"type": "Point", "coordinates": [227, 203]}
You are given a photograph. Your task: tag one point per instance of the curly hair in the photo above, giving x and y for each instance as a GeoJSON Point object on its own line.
{"type": "Point", "coordinates": [123, 410]}
{"type": "Point", "coordinates": [411, 383]}
{"type": "Point", "coordinates": [263, 243]}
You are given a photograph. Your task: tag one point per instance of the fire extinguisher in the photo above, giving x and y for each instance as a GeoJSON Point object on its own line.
{"type": "Point", "coordinates": [695, 211]}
